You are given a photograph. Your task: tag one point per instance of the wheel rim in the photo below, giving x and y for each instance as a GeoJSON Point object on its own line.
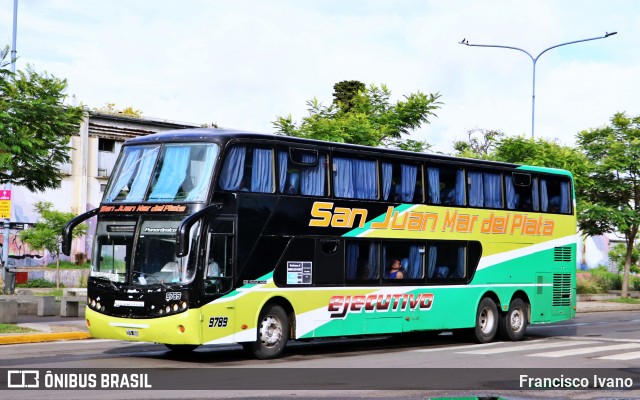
{"type": "Point", "coordinates": [486, 321]}
{"type": "Point", "coordinates": [517, 320]}
{"type": "Point", "coordinates": [270, 331]}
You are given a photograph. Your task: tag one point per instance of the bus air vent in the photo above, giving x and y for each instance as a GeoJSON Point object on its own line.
{"type": "Point", "coordinates": [562, 254]}
{"type": "Point", "coordinates": [561, 290]}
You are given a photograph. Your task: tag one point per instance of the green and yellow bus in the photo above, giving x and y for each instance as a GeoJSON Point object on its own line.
{"type": "Point", "coordinates": [211, 237]}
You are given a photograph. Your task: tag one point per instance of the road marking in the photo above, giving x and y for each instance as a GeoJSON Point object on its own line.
{"type": "Point", "coordinates": [587, 350]}
{"type": "Point", "coordinates": [529, 346]}
{"type": "Point", "coordinates": [466, 346]}
{"type": "Point", "coordinates": [600, 339]}
{"type": "Point", "coordinates": [624, 356]}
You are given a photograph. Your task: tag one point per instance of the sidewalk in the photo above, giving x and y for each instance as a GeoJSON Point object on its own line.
{"type": "Point", "coordinates": [55, 328]}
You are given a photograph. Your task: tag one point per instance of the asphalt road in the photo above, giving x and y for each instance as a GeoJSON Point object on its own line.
{"type": "Point", "coordinates": [603, 341]}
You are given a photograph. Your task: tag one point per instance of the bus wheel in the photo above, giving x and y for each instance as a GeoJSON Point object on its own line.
{"type": "Point", "coordinates": [273, 334]}
{"type": "Point", "coordinates": [182, 348]}
{"type": "Point", "coordinates": [486, 321]}
{"type": "Point", "coordinates": [513, 324]}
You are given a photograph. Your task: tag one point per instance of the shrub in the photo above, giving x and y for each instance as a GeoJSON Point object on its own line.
{"type": "Point", "coordinates": [589, 285]}
{"type": "Point", "coordinates": [38, 283]}
{"type": "Point", "coordinates": [635, 283]}
{"type": "Point", "coordinates": [69, 265]}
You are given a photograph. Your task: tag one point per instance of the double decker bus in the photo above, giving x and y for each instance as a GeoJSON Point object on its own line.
{"type": "Point", "coordinates": [211, 237]}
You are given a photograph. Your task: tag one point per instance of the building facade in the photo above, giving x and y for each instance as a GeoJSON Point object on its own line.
{"type": "Point", "coordinates": [95, 150]}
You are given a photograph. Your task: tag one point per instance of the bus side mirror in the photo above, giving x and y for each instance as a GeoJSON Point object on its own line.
{"type": "Point", "coordinates": [67, 232]}
{"type": "Point", "coordinates": [182, 234]}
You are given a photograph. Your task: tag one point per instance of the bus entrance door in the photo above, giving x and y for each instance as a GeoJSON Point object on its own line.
{"type": "Point", "coordinates": [218, 315]}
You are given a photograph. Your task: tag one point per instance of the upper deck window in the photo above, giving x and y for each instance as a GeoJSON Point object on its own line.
{"type": "Point", "coordinates": [522, 192]}
{"type": "Point", "coordinates": [401, 182]}
{"type": "Point", "coordinates": [355, 178]}
{"type": "Point", "coordinates": [485, 189]}
{"type": "Point", "coordinates": [248, 169]}
{"type": "Point", "coordinates": [172, 172]}
{"type": "Point", "coordinates": [555, 195]}
{"type": "Point", "coordinates": [302, 172]}
{"type": "Point", "coordinates": [445, 185]}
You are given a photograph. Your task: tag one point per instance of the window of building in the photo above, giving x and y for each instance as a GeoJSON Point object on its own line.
{"type": "Point", "coordinates": [108, 145]}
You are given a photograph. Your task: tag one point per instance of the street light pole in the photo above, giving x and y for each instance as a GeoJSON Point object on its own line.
{"type": "Point", "coordinates": [7, 222]}
{"type": "Point", "coordinates": [534, 60]}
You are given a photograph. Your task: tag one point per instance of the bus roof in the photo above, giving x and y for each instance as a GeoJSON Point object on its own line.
{"type": "Point", "coordinates": [224, 135]}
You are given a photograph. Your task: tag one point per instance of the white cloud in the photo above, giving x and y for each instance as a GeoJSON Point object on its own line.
{"type": "Point", "coordinates": [243, 63]}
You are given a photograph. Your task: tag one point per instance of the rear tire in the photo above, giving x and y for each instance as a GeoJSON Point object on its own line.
{"type": "Point", "coordinates": [273, 334]}
{"type": "Point", "coordinates": [486, 321]}
{"type": "Point", "coordinates": [513, 324]}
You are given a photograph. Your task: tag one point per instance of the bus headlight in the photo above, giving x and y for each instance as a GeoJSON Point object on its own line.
{"type": "Point", "coordinates": [175, 307]}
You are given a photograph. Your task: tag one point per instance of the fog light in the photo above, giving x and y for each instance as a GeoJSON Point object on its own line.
{"type": "Point", "coordinates": [181, 328]}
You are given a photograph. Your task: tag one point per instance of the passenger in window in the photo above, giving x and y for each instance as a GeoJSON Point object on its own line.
{"type": "Point", "coordinates": [554, 204]}
{"type": "Point", "coordinates": [395, 272]}
{"type": "Point", "coordinates": [243, 186]}
{"type": "Point", "coordinates": [213, 270]}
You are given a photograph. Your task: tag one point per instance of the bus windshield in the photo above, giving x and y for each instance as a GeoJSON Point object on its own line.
{"type": "Point", "coordinates": [154, 253]}
{"type": "Point", "coordinates": [166, 173]}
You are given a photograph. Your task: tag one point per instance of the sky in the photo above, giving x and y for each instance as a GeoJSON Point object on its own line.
{"type": "Point", "coordinates": [241, 64]}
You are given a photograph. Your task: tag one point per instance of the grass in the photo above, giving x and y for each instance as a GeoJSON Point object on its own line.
{"type": "Point", "coordinates": [11, 328]}
{"type": "Point", "coordinates": [69, 265]}
{"type": "Point", "coordinates": [53, 292]}
{"type": "Point", "coordinates": [626, 301]}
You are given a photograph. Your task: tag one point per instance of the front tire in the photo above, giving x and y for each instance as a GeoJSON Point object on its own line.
{"type": "Point", "coordinates": [486, 321]}
{"type": "Point", "coordinates": [513, 324]}
{"type": "Point", "coordinates": [273, 334]}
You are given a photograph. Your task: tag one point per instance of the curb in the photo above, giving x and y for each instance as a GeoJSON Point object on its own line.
{"type": "Point", "coordinates": [43, 337]}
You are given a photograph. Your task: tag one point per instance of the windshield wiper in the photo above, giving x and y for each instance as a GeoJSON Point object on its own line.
{"type": "Point", "coordinates": [146, 276]}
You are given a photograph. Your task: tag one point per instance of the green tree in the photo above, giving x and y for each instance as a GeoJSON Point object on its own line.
{"type": "Point", "coordinates": [35, 127]}
{"type": "Point", "coordinates": [481, 144]}
{"type": "Point", "coordinates": [618, 255]}
{"type": "Point", "coordinates": [368, 118]}
{"type": "Point", "coordinates": [345, 92]}
{"type": "Point", "coordinates": [494, 145]}
{"type": "Point", "coordinates": [46, 234]}
{"type": "Point", "coordinates": [539, 152]}
{"type": "Point", "coordinates": [612, 198]}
